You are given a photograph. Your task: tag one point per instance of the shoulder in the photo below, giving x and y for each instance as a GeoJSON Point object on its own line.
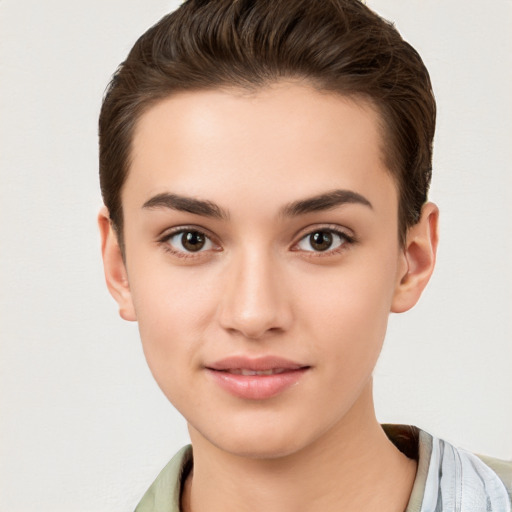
{"type": "Point", "coordinates": [502, 468]}
{"type": "Point", "coordinates": [463, 481]}
{"type": "Point", "coordinates": [164, 493]}
{"type": "Point", "coordinates": [452, 479]}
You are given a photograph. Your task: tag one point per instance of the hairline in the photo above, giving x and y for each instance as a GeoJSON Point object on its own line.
{"type": "Point", "coordinates": [251, 88]}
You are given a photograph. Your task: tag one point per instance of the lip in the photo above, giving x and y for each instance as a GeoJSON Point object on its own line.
{"type": "Point", "coordinates": [233, 374]}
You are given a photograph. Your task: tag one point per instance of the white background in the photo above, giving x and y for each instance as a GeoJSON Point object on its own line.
{"type": "Point", "coordinates": [82, 425]}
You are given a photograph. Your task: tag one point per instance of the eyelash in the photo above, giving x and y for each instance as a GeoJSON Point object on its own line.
{"type": "Point", "coordinates": [165, 241]}
{"type": "Point", "coordinates": [347, 240]}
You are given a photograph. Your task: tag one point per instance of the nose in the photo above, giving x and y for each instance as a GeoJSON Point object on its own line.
{"type": "Point", "coordinates": [255, 303]}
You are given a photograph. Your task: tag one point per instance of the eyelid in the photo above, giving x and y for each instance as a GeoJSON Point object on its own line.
{"type": "Point", "coordinates": [336, 229]}
{"type": "Point", "coordinates": [164, 237]}
{"type": "Point", "coordinates": [168, 232]}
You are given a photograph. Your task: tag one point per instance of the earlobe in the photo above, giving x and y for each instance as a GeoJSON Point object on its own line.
{"type": "Point", "coordinates": [114, 267]}
{"type": "Point", "coordinates": [418, 260]}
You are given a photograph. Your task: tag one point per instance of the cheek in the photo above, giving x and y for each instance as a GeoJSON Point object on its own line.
{"type": "Point", "coordinates": [171, 298]}
{"type": "Point", "coordinates": [349, 332]}
{"type": "Point", "coordinates": [350, 309]}
{"type": "Point", "coordinates": [172, 308]}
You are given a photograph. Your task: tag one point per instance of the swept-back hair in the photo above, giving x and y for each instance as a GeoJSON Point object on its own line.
{"type": "Point", "coordinates": [339, 46]}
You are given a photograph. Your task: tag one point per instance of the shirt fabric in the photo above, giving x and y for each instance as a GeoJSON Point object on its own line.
{"type": "Point", "coordinates": [448, 479]}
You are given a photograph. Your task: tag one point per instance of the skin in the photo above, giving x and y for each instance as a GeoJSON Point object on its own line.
{"type": "Point", "coordinates": [260, 287]}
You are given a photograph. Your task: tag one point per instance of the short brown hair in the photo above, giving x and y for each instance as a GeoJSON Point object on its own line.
{"type": "Point", "coordinates": [339, 46]}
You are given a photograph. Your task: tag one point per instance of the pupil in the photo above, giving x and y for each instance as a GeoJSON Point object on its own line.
{"type": "Point", "coordinates": [321, 240]}
{"type": "Point", "coordinates": [192, 240]}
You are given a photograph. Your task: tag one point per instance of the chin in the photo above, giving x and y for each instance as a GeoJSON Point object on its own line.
{"type": "Point", "coordinates": [270, 440]}
{"type": "Point", "coordinates": [260, 449]}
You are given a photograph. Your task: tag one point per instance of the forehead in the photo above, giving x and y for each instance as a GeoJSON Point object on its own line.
{"type": "Point", "coordinates": [232, 143]}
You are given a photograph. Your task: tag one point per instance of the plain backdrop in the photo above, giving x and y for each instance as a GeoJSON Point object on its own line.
{"type": "Point", "coordinates": [83, 427]}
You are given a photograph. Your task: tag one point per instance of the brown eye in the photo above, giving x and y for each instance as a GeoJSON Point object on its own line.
{"type": "Point", "coordinates": [320, 240]}
{"type": "Point", "coordinates": [323, 240]}
{"type": "Point", "coordinates": [189, 241]}
{"type": "Point", "coordinates": [193, 240]}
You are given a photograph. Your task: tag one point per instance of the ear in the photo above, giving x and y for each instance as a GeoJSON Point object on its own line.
{"type": "Point", "coordinates": [417, 260]}
{"type": "Point", "coordinates": [114, 267]}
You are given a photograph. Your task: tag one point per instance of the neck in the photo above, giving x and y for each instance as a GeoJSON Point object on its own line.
{"type": "Point", "coordinates": [353, 467]}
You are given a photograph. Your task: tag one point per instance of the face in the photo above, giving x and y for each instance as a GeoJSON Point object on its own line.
{"type": "Point", "coordinates": [262, 261]}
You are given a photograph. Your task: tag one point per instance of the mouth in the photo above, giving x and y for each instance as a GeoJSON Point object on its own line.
{"type": "Point", "coordinates": [256, 379]}
{"type": "Point", "coordinates": [245, 371]}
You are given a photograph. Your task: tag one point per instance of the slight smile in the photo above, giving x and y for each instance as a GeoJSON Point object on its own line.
{"type": "Point", "coordinates": [256, 379]}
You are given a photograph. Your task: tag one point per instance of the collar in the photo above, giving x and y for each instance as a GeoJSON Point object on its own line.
{"type": "Point", "coordinates": [447, 479]}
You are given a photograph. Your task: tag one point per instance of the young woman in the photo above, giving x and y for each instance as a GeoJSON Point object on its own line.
{"type": "Point", "coordinates": [265, 168]}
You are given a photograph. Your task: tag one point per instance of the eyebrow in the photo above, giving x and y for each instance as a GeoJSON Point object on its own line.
{"type": "Point", "coordinates": [186, 204]}
{"type": "Point", "coordinates": [322, 202]}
